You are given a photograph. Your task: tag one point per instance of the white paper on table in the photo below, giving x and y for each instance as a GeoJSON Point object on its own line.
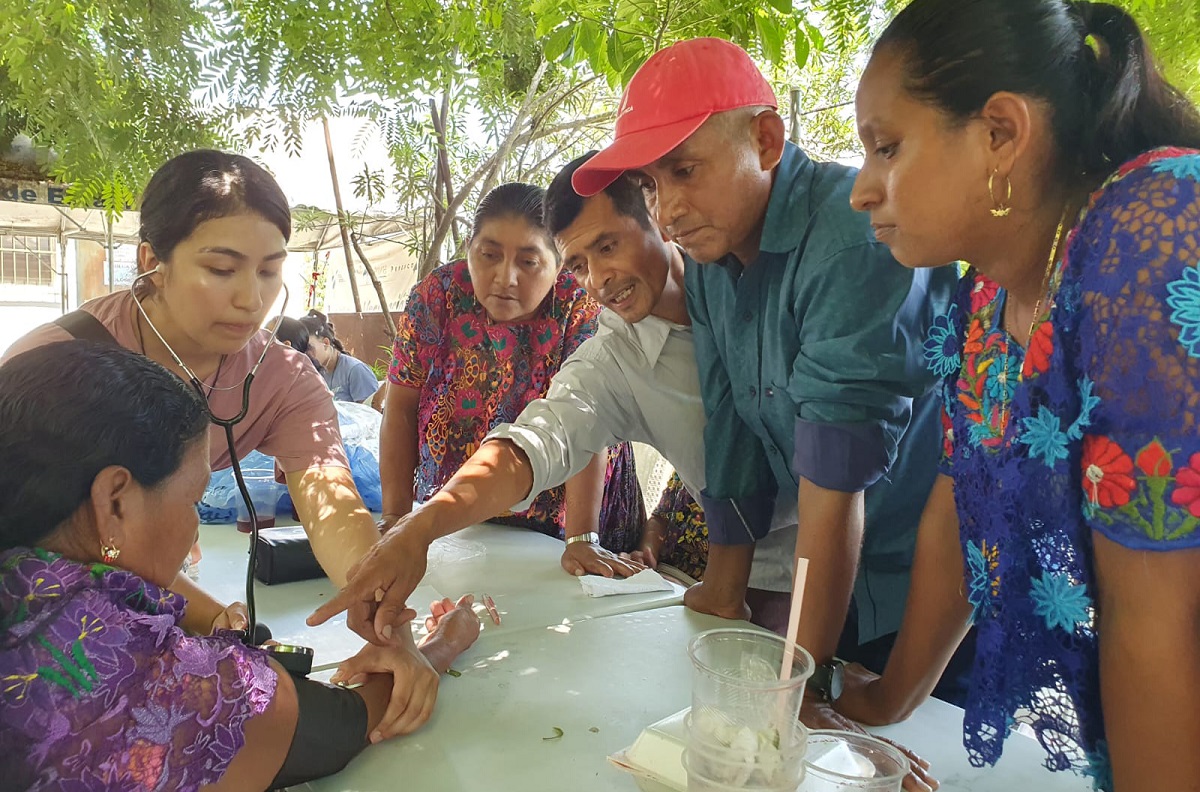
{"type": "Point", "coordinates": [644, 581]}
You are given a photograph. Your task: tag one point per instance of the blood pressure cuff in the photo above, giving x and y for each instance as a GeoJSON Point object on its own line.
{"type": "Point", "coordinates": [331, 729]}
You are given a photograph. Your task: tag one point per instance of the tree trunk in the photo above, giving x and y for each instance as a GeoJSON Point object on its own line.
{"type": "Point", "coordinates": [342, 221]}
{"type": "Point", "coordinates": [383, 303]}
{"type": "Point", "coordinates": [443, 158]}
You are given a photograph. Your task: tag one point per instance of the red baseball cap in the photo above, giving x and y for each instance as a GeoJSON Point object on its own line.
{"type": "Point", "coordinates": [669, 97]}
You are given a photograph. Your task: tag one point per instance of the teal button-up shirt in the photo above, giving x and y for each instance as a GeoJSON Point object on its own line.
{"type": "Point", "coordinates": [811, 366]}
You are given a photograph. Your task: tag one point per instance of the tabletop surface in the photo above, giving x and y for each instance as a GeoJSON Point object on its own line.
{"type": "Point", "coordinates": [598, 669]}
{"type": "Point", "coordinates": [518, 568]}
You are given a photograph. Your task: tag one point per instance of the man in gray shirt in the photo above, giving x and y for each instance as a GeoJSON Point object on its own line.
{"type": "Point", "coordinates": [636, 379]}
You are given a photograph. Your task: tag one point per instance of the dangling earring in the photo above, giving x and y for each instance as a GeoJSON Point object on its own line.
{"type": "Point", "coordinates": [109, 552]}
{"type": "Point", "coordinates": [1000, 208]}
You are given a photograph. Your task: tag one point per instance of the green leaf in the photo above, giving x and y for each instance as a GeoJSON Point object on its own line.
{"type": "Point", "coordinates": [770, 35]}
{"type": "Point", "coordinates": [557, 43]}
{"type": "Point", "coordinates": [803, 48]}
{"type": "Point", "coordinates": [616, 52]}
{"type": "Point", "coordinates": [815, 36]}
{"type": "Point", "coordinates": [558, 733]}
{"type": "Point", "coordinates": [590, 39]}
{"type": "Point", "coordinates": [784, 6]}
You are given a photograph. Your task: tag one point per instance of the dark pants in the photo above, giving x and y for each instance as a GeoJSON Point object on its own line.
{"type": "Point", "coordinates": [769, 609]}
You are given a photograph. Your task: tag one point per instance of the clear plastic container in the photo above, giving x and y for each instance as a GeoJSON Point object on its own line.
{"type": "Point", "coordinates": [736, 682]}
{"type": "Point", "coordinates": [840, 761]}
{"type": "Point", "coordinates": [264, 493]}
{"type": "Point", "coordinates": [699, 778]}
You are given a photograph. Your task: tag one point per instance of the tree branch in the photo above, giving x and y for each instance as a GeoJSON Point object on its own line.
{"type": "Point", "coordinates": [489, 166]}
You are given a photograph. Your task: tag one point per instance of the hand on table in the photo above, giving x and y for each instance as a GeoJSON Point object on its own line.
{"type": "Point", "coordinates": [453, 622]}
{"type": "Point", "coordinates": [585, 558]}
{"type": "Point", "coordinates": [816, 713]}
{"type": "Point", "coordinates": [651, 544]}
{"type": "Point", "coordinates": [379, 584]}
{"type": "Point", "coordinates": [414, 683]}
{"type": "Point", "coordinates": [233, 617]}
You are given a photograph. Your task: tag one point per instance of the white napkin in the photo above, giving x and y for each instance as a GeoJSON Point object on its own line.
{"type": "Point", "coordinates": [642, 582]}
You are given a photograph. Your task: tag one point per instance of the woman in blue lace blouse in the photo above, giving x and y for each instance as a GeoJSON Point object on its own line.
{"type": "Point", "coordinates": [1036, 140]}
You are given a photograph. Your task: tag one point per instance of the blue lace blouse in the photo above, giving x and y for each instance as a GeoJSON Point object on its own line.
{"type": "Point", "coordinates": [1094, 427]}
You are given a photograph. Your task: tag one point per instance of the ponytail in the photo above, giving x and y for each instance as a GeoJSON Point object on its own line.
{"type": "Point", "coordinates": [318, 324]}
{"type": "Point", "coordinates": [1131, 107]}
{"type": "Point", "coordinates": [1089, 62]}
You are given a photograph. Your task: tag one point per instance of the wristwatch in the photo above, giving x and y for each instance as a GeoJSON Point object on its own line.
{"type": "Point", "coordinates": [591, 538]}
{"type": "Point", "coordinates": [827, 679]}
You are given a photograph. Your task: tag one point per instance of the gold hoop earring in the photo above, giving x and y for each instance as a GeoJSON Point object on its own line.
{"type": "Point", "coordinates": [1000, 208]}
{"type": "Point", "coordinates": [109, 552]}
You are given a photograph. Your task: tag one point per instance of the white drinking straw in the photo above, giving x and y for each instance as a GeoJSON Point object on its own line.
{"type": "Point", "coordinates": [789, 649]}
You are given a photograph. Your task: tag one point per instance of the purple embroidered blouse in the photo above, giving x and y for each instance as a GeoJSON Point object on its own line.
{"type": "Point", "coordinates": [100, 688]}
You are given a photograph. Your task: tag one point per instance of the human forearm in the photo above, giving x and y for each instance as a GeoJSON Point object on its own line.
{"type": "Point", "coordinates": [399, 449]}
{"type": "Point", "coordinates": [829, 536]}
{"type": "Point", "coordinates": [1149, 631]}
{"type": "Point", "coordinates": [584, 495]}
{"type": "Point", "coordinates": [338, 525]}
{"type": "Point", "coordinates": [202, 608]}
{"type": "Point", "coordinates": [496, 477]}
{"type": "Point", "coordinates": [440, 652]}
{"type": "Point", "coordinates": [936, 618]}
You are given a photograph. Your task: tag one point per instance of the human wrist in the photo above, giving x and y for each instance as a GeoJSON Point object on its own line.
{"type": "Point", "coordinates": [427, 522]}
{"type": "Point", "coordinates": [588, 537]}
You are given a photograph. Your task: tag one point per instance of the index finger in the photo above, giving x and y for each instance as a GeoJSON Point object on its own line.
{"type": "Point", "coordinates": [354, 591]}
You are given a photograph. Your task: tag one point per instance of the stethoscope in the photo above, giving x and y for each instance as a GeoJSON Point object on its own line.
{"type": "Point", "coordinates": [297, 659]}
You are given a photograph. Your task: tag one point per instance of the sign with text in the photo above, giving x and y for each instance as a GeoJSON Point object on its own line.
{"type": "Point", "coordinates": [33, 192]}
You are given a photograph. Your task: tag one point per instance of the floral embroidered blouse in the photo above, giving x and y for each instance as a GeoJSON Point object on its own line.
{"type": "Point", "coordinates": [1095, 427]}
{"type": "Point", "coordinates": [475, 375]}
{"type": "Point", "coordinates": [100, 689]}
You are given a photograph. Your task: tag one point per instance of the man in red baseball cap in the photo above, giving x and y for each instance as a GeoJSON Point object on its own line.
{"type": "Point", "coordinates": [809, 345]}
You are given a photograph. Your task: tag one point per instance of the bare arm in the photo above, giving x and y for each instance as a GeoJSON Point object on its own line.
{"type": "Point", "coordinates": [1149, 630]}
{"type": "Point", "coordinates": [398, 450]}
{"type": "Point", "coordinates": [830, 536]}
{"type": "Point", "coordinates": [936, 618]}
{"type": "Point", "coordinates": [202, 608]}
{"type": "Point", "coordinates": [495, 478]}
{"type": "Point", "coordinates": [584, 496]}
{"type": "Point", "coordinates": [338, 525]}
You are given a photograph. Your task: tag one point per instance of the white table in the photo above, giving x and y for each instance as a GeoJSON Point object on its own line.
{"type": "Point", "coordinates": [520, 569]}
{"type": "Point", "coordinates": [602, 681]}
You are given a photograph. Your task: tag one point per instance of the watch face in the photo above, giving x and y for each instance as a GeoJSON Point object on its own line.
{"type": "Point", "coordinates": [836, 681]}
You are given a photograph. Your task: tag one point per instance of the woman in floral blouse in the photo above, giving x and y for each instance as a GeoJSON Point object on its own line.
{"type": "Point", "coordinates": [1036, 140]}
{"type": "Point", "coordinates": [479, 340]}
{"type": "Point", "coordinates": [108, 680]}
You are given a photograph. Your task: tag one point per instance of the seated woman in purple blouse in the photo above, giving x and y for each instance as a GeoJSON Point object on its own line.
{"type": "Point", "coordinates": [103, 457]}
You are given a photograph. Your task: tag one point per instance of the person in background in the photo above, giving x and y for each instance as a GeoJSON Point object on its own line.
{"type": "Point", "coordinates": [675, 534]}
{"type": "Point", "coordinates": [348, 377]}
{"type": "Point", "coordinates": [290, 332]}
{"type": "Point", "coordinates": [479, 340]}
{"type": "Point", "coordinates": [214, 230]}
{"type": "Point", "coordinates": [1037, 140]}
{"type": "Point", "coordinates": [108, 679]}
